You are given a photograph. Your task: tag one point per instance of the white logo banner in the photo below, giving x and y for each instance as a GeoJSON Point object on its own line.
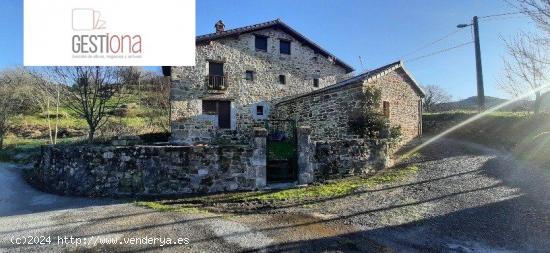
{"type": "Point", "coordinates": [109, 32]}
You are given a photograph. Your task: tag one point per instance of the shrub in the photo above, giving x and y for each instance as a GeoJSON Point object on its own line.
{"type": "Point", "coordinates": [367, 121]}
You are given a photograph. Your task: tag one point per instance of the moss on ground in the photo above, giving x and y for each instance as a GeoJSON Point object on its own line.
{"type": "Point", "coordinates": [337, 188]}
{"type": "Point", "coordinates": [171, 208]}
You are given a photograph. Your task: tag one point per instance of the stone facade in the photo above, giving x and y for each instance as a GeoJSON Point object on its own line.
{"type": "Point", "coordinates": [238, 55]}
{"type": "Point", "coordinates": [405, 103]}
{"type": "Point", "coordinates": [329, 109]}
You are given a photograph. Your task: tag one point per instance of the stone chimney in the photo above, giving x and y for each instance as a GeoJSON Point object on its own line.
{"type": "Point", "coordinates": [219, 26]}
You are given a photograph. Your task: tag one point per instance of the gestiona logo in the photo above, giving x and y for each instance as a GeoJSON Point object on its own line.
{"type": "Point", "coordinates": [92, 39]}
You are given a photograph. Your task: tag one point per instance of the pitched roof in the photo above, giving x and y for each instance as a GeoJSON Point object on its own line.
{"type": "Point", "coordinates": [368, 75]}
{"type": "Point", "coordinates": [270, 24]}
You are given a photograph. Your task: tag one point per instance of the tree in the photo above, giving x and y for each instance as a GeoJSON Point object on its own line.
{"type": "Point", "coordinates": [90, 92]}
{"type": "Point", "coordinates": [14, 96]}
{"type": "Point", "coordinates": [528, 68]}
{"type": "Point", "coordinates": [525, 70]}
{"type": "Point", "coordinates": [538, 11]}
{"type": "Point", "coordinates": [434, 95]}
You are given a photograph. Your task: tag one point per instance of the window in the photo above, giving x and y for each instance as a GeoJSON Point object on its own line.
{"type": "Point", "coordinates": [220, 108]}
{"type": "Point", "coordinates": [261, 43]}
{"type": "Point", "coordinates": [215, 68]}
{"type": "Point", "coordinates": [315, 82]}
{"type": "Point", "coordinates": [260, 110]}
{"type": "Point", "coordinates": [216, 79]}
{"type": "Point", "coordinates": [284, 47]}
{"type": "Point", "coordinates": [386, 108]}
{"type": "Point", "coordinates": [282, 79]}
{"type": "Point", "coordinates": [249, 75]}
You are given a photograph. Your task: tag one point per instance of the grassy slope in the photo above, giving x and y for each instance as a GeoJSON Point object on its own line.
{"type": "Point", "coordinates": [14, 143]}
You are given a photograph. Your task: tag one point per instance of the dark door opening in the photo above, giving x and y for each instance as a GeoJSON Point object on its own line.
{"type": "Point", "coordinates": [222, 109]}
{"type": "Point", "coordinates": [282, 165]}
{"type": "Point", "coordinates": [224, 114]}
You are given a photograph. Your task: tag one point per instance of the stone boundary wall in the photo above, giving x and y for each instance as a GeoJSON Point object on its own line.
{"type": "Point", "coordinates": [172, 170]}
{"type": "Point", "coordinates": [341, 158]}
{"type": "Point", "coordinates": [331, 159]}
{"type": "Point", "coordinates": [151, 170]}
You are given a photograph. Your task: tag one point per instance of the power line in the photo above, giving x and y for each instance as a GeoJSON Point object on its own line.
{"type": "Point", "coordinates": [490, 18]}
{"type": "Point", "coordinates": [514, 13]}
{"type": "Point", "coordinates": [439, 52]}
{"type": "Point", "coordinates": [430, 44]}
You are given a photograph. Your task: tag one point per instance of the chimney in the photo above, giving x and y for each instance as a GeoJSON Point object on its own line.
{"type": "Point", "coordinates": [219, 26]}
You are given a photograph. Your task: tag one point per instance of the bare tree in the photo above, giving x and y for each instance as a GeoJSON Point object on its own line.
{"type": "Point", "coordinates": [90, 92]}
{"type": "Point", "coordinates": [45, 96]}
{"type": "Point", "coordinates": [525, 70]}
{"type": "Point", "coordinates": [538, 11]}
{"type": "Point", "coordinates": [434, 95]}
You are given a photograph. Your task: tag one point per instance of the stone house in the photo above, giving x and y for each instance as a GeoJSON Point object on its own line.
{"type": "Point", "coordinates": [243, 76]}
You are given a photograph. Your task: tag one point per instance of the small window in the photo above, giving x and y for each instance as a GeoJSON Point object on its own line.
{"type": "Point", "coordinates": [260, 110]}
{"type": "Point", "coordinates": [261, 43]}
{"type": "Point", "coordinates": [282, 79]}
{"type": "Point", "coordinates": [315, 82]}
{"type": "Point", "coordinates": [284, 47]}
{"type": "Point", "coordinates": [386, 108]}
{"type": "Point", "coordinates": [249, 75]}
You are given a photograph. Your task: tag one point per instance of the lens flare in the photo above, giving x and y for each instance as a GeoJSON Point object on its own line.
{"type": "Point", "coordinates": [474, 118]}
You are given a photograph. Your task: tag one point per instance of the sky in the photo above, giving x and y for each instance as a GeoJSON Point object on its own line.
{"type": "Point", "coordinates": [379, 32]}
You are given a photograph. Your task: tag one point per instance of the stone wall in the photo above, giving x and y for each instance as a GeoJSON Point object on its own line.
{"type": "Point", "coordinates": [170, 170]}
{"type": "Point", "coordinates": [151, 170]}
{"type": "Point", "coordinates": [341, 158]}
{"type": "Point", "coordinates": [189, 84]}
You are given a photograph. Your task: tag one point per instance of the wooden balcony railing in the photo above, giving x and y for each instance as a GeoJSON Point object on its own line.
{"type": "Point", "coordinates": [215, 82]}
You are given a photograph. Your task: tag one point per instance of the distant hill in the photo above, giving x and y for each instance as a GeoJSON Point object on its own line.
{"type": "Point", "coordinates": [470, 103]}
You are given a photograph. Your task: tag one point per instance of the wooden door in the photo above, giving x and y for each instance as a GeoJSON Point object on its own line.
{"type": "Point", "coordinates": [224, 114]}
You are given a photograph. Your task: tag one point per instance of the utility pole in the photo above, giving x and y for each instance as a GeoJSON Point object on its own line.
{"type": "Point", "coordinates": [479, 70]}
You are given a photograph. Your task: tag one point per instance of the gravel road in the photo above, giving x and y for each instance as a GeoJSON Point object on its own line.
{"type": "Point", "coordinates": [464, 198]}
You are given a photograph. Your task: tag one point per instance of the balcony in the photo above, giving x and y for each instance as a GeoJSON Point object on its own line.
{"type": "Point", "coordinates": [216, 82]}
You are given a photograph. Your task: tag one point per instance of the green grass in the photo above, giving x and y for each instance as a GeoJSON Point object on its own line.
{"type": "Point", "coordinates": [281, 150]}
{"type": "Point", "coordinates": [337, 188]}
{"type": "Point", "coordinates": [14, 146]}
{"type": "Point", "coordinates": [157, 206]}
